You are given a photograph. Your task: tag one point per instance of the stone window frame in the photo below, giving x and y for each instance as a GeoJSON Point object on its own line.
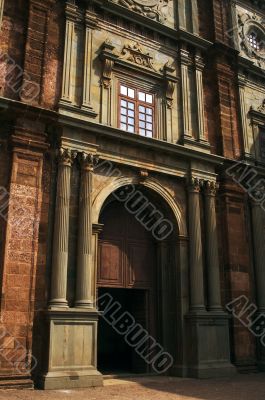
{"type": "Point", "coordinates": [136, 67]}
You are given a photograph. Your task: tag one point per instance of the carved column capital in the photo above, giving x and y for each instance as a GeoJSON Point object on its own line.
{"type": "Point", "coordinates": [199, 62]}
{"type": "Point", "coordinates": [185, 57]}
{"type": "Point", "coordinates": [88, 161]}
{"type": "Point", "coordinates": [71, 11]}
{"type": "Point", "coordinates": [66, 157]}
{"type": "Point", "coordinates": [210, 188]}
{"type": "Point", "coordinates": [195, 185]}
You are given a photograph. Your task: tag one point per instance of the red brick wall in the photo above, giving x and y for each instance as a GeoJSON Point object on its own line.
{"type": "Point", "coordinates": [236, 267]}
{"type": "Point", "coordinates": [24, 258]}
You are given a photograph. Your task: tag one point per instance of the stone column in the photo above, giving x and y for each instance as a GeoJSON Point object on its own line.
{"type": "Point", "coordinates": [185, 62]}
{"type": "Point", "coordinates": [84, 285]}
{"type": "Point", "coordinates": [61, 230]}
{"type": "Point", "coordinates": [196, 257]}
{"type": "Point", "coordinates": [258, 221]}
{"type": "Point", "coordinates": [213, 269]}
{"type": "Point", "coordinates": [1, 11]}
{"type": "Point", "coordinates": [199, 67]}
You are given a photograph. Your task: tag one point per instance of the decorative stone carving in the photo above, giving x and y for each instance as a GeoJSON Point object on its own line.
{"type": "Point", "coordinates": [260, 109]}
{"type": "Point", "coordinates": [88, 161]}
{"type": "Point", "coordinates": [170, 83]}
{"type": "Point", "coordinates": [135, 53]}
{"type": "Point", "coordinates": [154, 9]}
{"type": "Point", "coordinates": [108, 58]}
{"type": "Point", "coordinates": [66, 157]}
{"type": "Point", "coordinates": [195, 184]}
{"type": "Point", "coordinates": [248, 22]}
{"type": "Point", "coordinates": [210, 188]}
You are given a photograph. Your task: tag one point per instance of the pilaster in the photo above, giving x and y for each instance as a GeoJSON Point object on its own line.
{"type": "Point", "coordinates": [2, 2]}
{"type": "Point", "coordinates": [90, 23]}
{"type": "Point", "coordinates": [72, 18]}
{"type": "Point", "coordinates": [199, 67]}
{"type": "Point", "coordinates": [185, 62]}
{"type": "Point", "coordinates": [243, 112]}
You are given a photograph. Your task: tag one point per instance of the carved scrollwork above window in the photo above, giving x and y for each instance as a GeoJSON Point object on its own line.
{"type": "Point", "coordinates": [154, 9]}
{"type": "Point", "coordinates": [252, 37]}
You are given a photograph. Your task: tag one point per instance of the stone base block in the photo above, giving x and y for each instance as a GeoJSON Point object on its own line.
{"type": "Point", "coordinates": [208, 345]}
{"type": "Point", "coordinates": [71, 359]}
{"type": "Point", "coordinates": [56, 381]}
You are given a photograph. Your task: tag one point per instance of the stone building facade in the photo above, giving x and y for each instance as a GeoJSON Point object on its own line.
{"type": "Point", "coordinates": [119, 122]}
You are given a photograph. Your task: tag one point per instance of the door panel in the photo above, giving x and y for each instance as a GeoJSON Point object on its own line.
{"type": "Point", "coordinates": [111, 268]}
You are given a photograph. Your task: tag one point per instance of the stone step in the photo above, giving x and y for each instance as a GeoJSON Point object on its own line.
{"type": "Point", "coordinates": [16, 382]}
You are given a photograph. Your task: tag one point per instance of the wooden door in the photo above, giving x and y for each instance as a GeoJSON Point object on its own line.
{"type": "Point", "coordinates": [127, 251]}
{"type": "Point", "coordinates": [127, 260]}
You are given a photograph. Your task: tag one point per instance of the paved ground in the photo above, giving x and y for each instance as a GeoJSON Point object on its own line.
{"type": "Point", "coordinates": [243, 387]}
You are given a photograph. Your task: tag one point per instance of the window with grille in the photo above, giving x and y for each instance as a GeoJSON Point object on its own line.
{"type": "Point", "coordinates": [254, 41]}
{"type": "Point", "coordinates": [136, 111]}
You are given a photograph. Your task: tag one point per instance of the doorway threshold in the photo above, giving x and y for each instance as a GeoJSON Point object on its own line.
{"type": "Point", "coordinates": [121, 375]}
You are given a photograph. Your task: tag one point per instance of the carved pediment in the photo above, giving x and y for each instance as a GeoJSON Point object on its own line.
{"type": "Point", "coordinates": [154, 9]}
{"type": "Point", "coordinates": [136, 54]}
{"type": "Point", "coordinates": [260, 109]}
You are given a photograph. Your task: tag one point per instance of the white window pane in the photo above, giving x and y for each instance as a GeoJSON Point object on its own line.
{"type": "Point", "coordinates": [124, 111]}
{"type": "Point", "coordinates": [142, 124]}
{"type": "Point", "coordinates": [131, 106]}
{"type": "Point", "coordinates": [149, 118]}
{"type": "Point", "coordinates": [130, 129]}
{"type": "Point", "coordinates": [131, 121]}
{"type": "Point", "coordinates": [149, 134]}
{"type": "Point", "coordinates": [131, 93]}
{"type": "Point", "coordinates": [141, 96]}
{"type": "Point", "coordinates": [142, 109]}
{"type": "Point", "coordinates": [124, 103]}
{"type": "Point", "coordinates": [149, 126]}
{"type": "Point", "coordinates": [142, 132]}
{"type": "Point", "coordinates": [142, 117]}
{"type": "Point", "coordinates": [124, 90]}
{"type": "Point", "coordinates": [131, 113]}
{"type": "Point", "coordinates": [149, 98]}
{"type": "Point", "coordinates": [124, 127]}
{"type": "Point", "coordinates": [149, 111]}
{"type": "Point", "coordinates": [123, 118]}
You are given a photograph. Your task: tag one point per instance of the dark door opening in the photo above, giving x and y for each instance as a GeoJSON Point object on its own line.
{"type": "Point", "coordinates": [114, 354]}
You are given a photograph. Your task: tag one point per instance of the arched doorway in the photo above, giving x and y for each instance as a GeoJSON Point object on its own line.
{"type": "Point", "coordinates": [137, 270]}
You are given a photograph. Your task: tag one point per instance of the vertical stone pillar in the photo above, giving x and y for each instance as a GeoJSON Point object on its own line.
{"type": "Point", "coordinates": [182, 14]}
{"type": "Point", "coordinates": [243, 111]}
{"type": "Point", "coordinates": [185, 62]}
{"type": "Point", "coordinates": [195, 17]}
{"type": "Point", "coordinates": [258, 221]}
{"type": "Point", "coordinates": [61, 230]}
{"type": "Point", "coordinates": [196, 256]}
{"type": "Point", "coordinates": [1, 11]}
{"type": "Point", "coordinates": [199, 67]}
{"type": "Point", "coordinates": [70, 11]}
{"type": "Point", "coordinates": [84, 286]}
{"type": "Point", "coordinates": [213, 269]}
{"type": "Point", "coordinates": [90, 21]}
